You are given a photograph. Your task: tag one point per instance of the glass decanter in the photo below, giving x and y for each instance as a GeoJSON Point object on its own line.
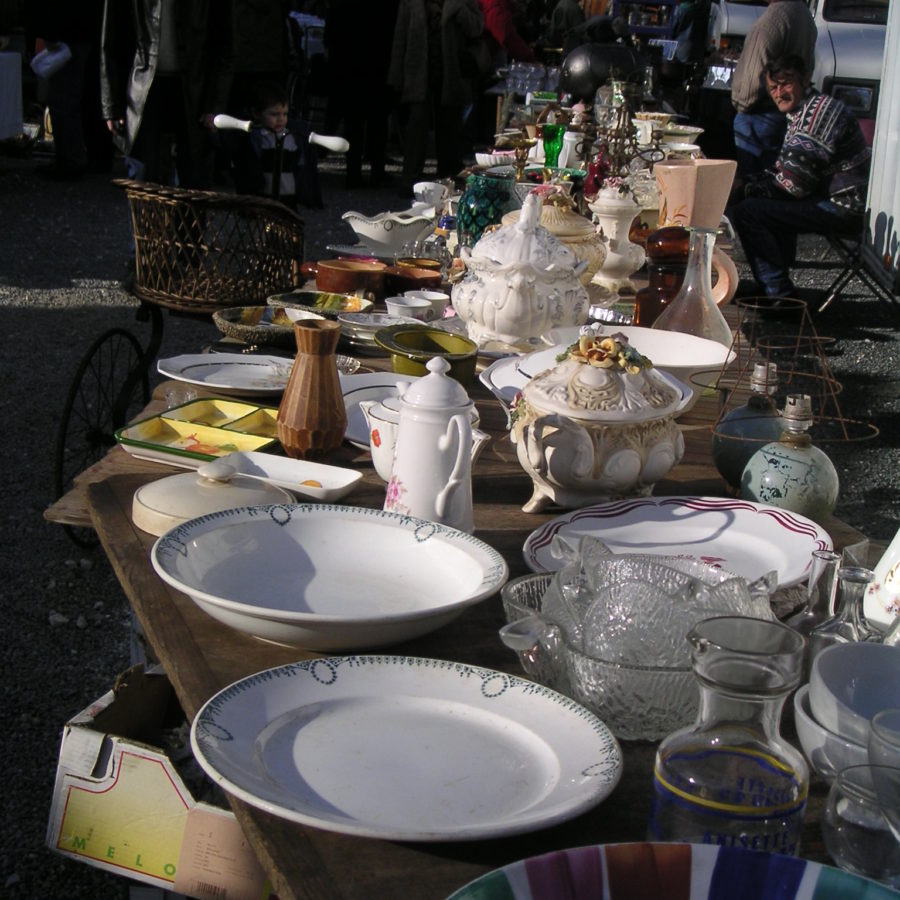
{"type": "Point", "coordinates": [821, 590]}
{"type": "Point", "coordinates": [693, 311]}
{"type": "Point", "coordinates": [730, 779]}
{"type": "Point", "coordinates": [744, 430]}
{"type": "Point", "coordinates": [848, 622]}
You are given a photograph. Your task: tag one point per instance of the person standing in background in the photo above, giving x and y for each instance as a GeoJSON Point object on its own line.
{"type": "Point", "coordinates": [80, 139]}
{"type": "Point", "coordinates": [500, 25]}
{"type": "Point", "coordinates": [165, 71]}
{"type": "Point", "coordinates": [786, 28]}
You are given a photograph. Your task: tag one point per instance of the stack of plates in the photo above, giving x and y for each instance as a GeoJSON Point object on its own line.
{"type": "Point", "coordinates": [359, 329]}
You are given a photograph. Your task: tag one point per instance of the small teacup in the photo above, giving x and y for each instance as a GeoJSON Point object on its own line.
{"type": "Point", "coordinates": [438, 299]}
{"type": "Point", "coordinates": [411, 307]}
{"type": "Point", "coordinates": [430, 192]}
{"type": "Point", "coordinates": [382, 419]}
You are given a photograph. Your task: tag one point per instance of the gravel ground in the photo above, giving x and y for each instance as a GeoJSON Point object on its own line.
{"type": "Point", "coordinates": [66, 623]}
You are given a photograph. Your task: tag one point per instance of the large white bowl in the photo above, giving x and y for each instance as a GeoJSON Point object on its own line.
{"type": "Point", "coordinates": [327, 577]}
{"type": "Point", "coordinates": [826, 751]}
{"type": "Point", "coordinates": [850, 683]}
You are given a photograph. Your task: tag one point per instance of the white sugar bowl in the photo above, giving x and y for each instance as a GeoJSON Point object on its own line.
{"type": "Point", "coordinates": [597, 426]}
{"type": "Point", "coordinates": [520, 282]}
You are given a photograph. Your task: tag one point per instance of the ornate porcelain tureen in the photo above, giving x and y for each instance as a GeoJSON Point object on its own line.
{"type": "Point", "coordinates": [599, 425]}
{"type": "Point", "coordinates": [520, 282]}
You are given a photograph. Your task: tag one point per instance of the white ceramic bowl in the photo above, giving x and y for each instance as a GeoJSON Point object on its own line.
{"type": "Point", "coordinates": [682, 355]}
{"type": "Point", "coordinates": [850, 683]}
{"type": "Point", "coordinates": [826, 751]}
{"type": "Point", "coordinates": [327, 577]}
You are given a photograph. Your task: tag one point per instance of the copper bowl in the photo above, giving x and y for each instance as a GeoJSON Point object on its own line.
{"type": "Point", "coordinates": [347, 276]}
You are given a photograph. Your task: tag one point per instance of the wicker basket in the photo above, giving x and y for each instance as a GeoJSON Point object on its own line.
{"type": "Point", "coordinates": [199, 251]}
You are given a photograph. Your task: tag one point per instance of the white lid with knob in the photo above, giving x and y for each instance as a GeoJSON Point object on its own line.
{"type": "Point", "coordinates": [161, 505]}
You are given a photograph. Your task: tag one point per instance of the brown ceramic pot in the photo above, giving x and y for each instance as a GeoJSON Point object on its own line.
{"type": "Point", "coordinates": [312, 417]}
{"type": "Point", "coordinates": [347, 276]}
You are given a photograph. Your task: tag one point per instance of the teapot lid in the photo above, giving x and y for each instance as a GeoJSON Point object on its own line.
{"type": "Point", "coordinates": [525, 241]}
{"type": "Point", "coordinates": [436, 390]}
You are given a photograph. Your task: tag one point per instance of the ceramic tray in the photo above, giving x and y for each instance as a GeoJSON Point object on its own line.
{"type": "Point", "coordinates": [309, 480]}
{"type": "Point", "coordinates": [326, 577]}
{"type": "Point", "coordinates": [747, 539]}
{"type": "Point", "coordinates": [405, 748]}
{"type": "Point", "coordinates": [199, 431]}
{"type": "Point", "coordinates": [672, 871]}
{"type": "Point", "coordinates": [323, 303]}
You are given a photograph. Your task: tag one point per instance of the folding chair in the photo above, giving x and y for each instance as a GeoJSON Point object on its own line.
{"type": "Point", "coordinates": [850, 251]}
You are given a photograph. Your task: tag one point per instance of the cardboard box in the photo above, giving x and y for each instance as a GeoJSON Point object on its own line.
{"type": "Point", "coordinates": [119, 803]}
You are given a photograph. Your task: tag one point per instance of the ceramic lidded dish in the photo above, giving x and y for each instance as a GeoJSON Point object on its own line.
{"type": "Point", "coordinates": [575, 231]}
{"type": "Point", "coordinates": [521, 282]}
{"type": "Point", "coordinates": [598, 425]}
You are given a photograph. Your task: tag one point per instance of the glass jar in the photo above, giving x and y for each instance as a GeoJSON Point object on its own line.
{"type": "Point", "coordinates": [483, 203]}
{"type": "Point", "coordinates": [730, 779]}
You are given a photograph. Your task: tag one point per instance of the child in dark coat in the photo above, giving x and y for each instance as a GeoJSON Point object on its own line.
{"type": "Point", "coordinates": [275, 159]}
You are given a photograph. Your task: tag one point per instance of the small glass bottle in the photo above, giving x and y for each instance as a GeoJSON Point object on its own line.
{"type": "Point", "coordinates": [694, 311]}
{"type": "Point", "coordinates": [821, 590]}
{"type": "Point", "coordinates": [847, 622]}
{"type": "Point", "coordinates": [792, 473]}
{"type": "Point", "coordinates": [730, 779]}
{"type": "Point", "coordinates": [744, 430]}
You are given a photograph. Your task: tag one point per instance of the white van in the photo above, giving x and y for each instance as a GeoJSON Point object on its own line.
{"type": "Point", "coordinates": [849, 48]}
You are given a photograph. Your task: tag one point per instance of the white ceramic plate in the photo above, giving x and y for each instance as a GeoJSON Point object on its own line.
{"type": "Point", "coordinates": [681, 132]}
{"type": "Point", "coordinates": [748, 539]}
{"type": "Point", "coordinates": [241, 375]}
{"type": "Point", "coordinates": [505, 378]}
{"type": "Point", "coordinates": [679, 354]}
{"type": "Point", "coordinates": [310, 480]}
{"type": "Point", "coordinates": [327, 577]}
{"type": "Point", "coordinates": [366, 386]}
{"type": "Point", "coordinates": [406, 749]}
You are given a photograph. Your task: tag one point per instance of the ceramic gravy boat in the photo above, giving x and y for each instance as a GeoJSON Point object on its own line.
{"type": "Point", "coordinates": [389, 231]}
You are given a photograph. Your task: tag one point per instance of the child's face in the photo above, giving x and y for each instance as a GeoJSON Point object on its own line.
{"type": "Point", "coordinates": [274, 116]}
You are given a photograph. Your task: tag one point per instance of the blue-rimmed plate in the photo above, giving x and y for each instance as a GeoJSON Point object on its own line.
{"type": "Point", "coordinates": [405, 748]}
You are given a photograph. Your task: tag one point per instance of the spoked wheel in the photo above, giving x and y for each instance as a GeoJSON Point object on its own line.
{"type": "Point", "coordinates": [110, 386]}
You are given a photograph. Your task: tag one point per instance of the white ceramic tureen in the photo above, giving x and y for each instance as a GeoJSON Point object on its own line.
{"type": "Point", "coordinates": [520, 282]}
{"type": "Point", "coordinates": [598, 425]}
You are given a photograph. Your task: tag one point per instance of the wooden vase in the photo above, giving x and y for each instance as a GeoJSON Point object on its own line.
{"type": "Point", "coordinates": [312, 417]}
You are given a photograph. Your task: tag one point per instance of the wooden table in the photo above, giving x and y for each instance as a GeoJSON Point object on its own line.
{"type": "Point", "coordinates": [201, 656]}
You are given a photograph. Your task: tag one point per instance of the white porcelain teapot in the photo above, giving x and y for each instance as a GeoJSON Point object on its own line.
{"type": "Point", "coordinates": [436, 445]}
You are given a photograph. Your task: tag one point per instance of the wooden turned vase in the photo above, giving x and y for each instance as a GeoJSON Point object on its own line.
{"type": "Point", "coordinates": [312, 417]}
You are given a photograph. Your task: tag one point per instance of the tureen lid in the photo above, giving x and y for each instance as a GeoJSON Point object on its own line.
{"type": "Point", "coordinates": [163, 504]}
{"type": "Point", "coordinates": [436, 390]}
{"type": "Point", "coordinates": [615, 384]}
{"type": "Point", "coordinates": [560, 221]}
{"type": "Point", "coordinates": [525, 241]}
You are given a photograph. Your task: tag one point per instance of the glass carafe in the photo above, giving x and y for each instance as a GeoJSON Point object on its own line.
{"type": "Point", "coordinates": [821, 589]}
{"type": "Point", "coordinates": [694, 311]}
{"type": "Point", "coordinates": [847, 622]}
{"type": "Point", "coordinates": [730, 779]}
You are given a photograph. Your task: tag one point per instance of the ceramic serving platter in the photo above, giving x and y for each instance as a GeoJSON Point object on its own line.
{"type": "Point", "coordinates": [366, 386]}
{"type": "Point", "coordinates": [308, 480]}
{"type": "Point", "coordinates": [283, 573]}
{"type": "Point", "coordinates": [237, 374]}
{"type": "Point", "coordinates": [674, 871]}
{"type": "Point", "coordinates": [406, 748]}
{"type": "Point", "coordinates": [748, 539]}
{"type": "Point", "coordinates": [199, 431]}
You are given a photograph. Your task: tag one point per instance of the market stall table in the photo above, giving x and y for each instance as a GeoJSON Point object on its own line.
{"type": "Point", "coordinates": [201, 656]}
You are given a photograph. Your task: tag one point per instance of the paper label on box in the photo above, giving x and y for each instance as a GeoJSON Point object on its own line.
{"type": "Point", "coordinates": [134, 823]}
{"type": "Point", "coordinates": [216, 860]}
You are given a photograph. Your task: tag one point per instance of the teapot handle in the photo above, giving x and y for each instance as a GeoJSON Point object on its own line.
{"type": "Point", "coordinates": [459, 423]}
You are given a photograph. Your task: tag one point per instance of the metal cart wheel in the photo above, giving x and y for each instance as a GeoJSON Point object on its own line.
{"type": "Point", "coordinates": [110, 386]}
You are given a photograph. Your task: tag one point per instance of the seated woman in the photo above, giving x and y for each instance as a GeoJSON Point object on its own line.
{"type": "Point", "coordinates": [818, 184]}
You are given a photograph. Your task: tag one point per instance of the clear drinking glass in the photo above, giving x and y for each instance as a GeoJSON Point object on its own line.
{"type": "Point", "coordinates": [856, 831]}
{"type": "Point", "coordinates": [884, 757]}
